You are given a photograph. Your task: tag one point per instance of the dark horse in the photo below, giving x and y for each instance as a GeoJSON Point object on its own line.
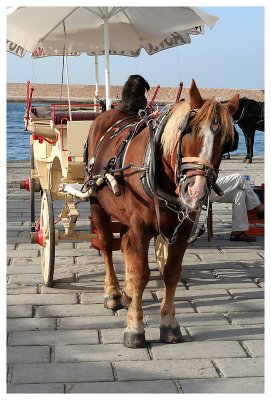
{"type": "Point", "coordinates": [250, 118]}
{"type": "Point", "coordinates": [189, 143]}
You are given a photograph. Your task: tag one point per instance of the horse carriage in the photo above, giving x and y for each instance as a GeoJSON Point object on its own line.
{"type": "Point", "coordinates": [58, 134]}
{"type": "Point", "coordinates": [150, 172]}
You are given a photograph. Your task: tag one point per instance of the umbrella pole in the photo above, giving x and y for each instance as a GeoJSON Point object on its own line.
{"type": "Point", "coordinates": [96, 95]}
{"type": "Point", "coordinates": [107, 72]}
{"type": "Point", "coordinates": [96, 77]}
{"type": "Point", "coordinates": [68, 86]}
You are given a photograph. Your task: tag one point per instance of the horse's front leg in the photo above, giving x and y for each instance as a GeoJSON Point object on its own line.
{"type": "Point", "coordinates": [135, 251]}
{"type": "Point", "coordinates": [251, 136]}
{"type": "Point", "coordinates": [101, 220]}
{"type": "Point", "coordinates": [169, 327]}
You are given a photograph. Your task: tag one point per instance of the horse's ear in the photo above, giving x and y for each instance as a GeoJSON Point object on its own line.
{"type": "Point", "coordinates": [195, 98]}
{"type": "Point", "coordinates": [233, 104]}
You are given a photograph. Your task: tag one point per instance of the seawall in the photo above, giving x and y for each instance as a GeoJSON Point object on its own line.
{"type": "Point", "coordinates": [85, 93]}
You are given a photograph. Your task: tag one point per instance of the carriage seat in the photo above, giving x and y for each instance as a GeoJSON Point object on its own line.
{"type": "Point", "coordinates": [78, 114]}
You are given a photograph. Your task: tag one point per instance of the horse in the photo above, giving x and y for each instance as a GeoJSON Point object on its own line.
{"type": "Point", "coordinates": [249, 117]}
{"type": "Point", "coordinates": [155, 192]}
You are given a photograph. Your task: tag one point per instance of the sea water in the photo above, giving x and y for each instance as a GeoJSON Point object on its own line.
{"type": "Point", "coordinates": [18, 139]}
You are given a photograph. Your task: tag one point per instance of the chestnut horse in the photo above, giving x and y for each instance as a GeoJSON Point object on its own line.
{"type": "Point", "coordinates": [189, 144]}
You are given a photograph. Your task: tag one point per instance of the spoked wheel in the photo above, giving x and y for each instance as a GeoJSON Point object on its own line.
{"type": "Point", "coordinates": [47, 227]}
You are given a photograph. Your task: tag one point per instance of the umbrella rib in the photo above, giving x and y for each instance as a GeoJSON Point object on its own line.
{"type": "Point", "coordinates": [100, 15]}
{"type": "Point", "coordinates": [116, 10]}
{"type": "Point", "coordinates": [59, 23]}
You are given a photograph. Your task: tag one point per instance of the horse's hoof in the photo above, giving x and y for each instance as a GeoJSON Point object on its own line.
{"type": "Point", "coordinates": [170, 335]}
{"type": "Point", "coordinates": [248, 161]}
{"type": "Point", "coordinates": [125, 300]}
{"type": "Point", "coordinates": [134, 340]}
{"type": "Point", "coordinates": [113, 303]}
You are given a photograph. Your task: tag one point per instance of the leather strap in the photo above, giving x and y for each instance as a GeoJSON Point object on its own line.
{"type": "Point", "coordinates": [197, 160]}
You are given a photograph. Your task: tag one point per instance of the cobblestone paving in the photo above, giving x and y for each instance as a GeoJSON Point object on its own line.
{"type": "Point", "coordinates": [62, 339]}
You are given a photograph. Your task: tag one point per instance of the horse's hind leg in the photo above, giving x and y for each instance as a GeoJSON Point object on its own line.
{"type": "Point", "coordinates": [101, 220]}
{"type": "Point", "coordinates": [169, 327]}
{"type": "Point", "coordinates": [135, 251]}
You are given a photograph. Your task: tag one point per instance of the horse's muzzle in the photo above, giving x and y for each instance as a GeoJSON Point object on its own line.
{"type": "Point", "coordinates": [194, 191]}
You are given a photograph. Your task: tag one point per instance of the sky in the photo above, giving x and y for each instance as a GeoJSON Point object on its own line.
{"type": "Point", "coordinates": [231, 55]}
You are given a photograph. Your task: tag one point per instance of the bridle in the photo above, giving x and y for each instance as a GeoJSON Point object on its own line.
{"type": "Point", "coordinates": [187, 167]}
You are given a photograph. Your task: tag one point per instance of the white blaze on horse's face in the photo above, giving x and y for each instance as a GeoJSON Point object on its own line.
{"type": "Point", "coordinates": [197, 190]}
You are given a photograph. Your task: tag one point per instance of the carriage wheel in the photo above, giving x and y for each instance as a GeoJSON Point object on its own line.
{"type": "Point", "coordinates": [47, 226]}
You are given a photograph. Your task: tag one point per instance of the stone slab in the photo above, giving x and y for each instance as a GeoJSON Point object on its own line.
{"type": "Point", "coordinates": [164, 369]}
{"type": "Point", "coordinates": [241, 367]}
{"type": "Point", "coordinates": [41, 299]}
{"type": "Point", "coordinates": [161, 386]}
{"type": "Point", "coordinates": [211, 284]}
{"type": "Point", "coordinates": [255, 347]}
{"type": "Point", "coordinates": [29, 324]}
{"type": "Point", "coordinates": [231, 256]}
{"type": "Point", "coordinates": [246, 318]}
{"type": "Point", "coordinates": [93, 322]}
{"type": "Point", "coordinates": [21, 289]}
{"type": "Point", "coordinates": [36, 388]}
{"type": "Point", "coordinates": [28, 354]}
{"type": "Point", "coordinates": [19, 311]}
{"type": "Point", "coordinates": [217, 385]}
{"type": "Point", "coordinates": [62, 372]}
{"type": "Point", "coordinates": [76, 310]}
{"type": "Point", "coordinates": [54, 338]}
{"type": "Point", "coordinates": [223, 306]}
{"type": "Point", "coordinates": [99, 352]}
{"type": "Point", "coordinates": [193, 294]}
{"type": "Point", "coordinates": [256, 293]}
{"type": "Point", "coordinates": [226, 333]}
{"type": "Point", "coordinates": [197, 350]}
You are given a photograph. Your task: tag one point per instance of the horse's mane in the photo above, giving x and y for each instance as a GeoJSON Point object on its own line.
{"type": "Point", "coordinates": [201, 119]}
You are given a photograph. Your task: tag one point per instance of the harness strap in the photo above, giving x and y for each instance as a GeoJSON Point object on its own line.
{"type": "Point", "coordinates": [197, 160]}
{"type": "Point", "coordinates": [152, 148]}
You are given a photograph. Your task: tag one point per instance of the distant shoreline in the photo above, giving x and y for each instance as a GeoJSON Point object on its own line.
{"type": "Point", "coordinates": [16, 92]}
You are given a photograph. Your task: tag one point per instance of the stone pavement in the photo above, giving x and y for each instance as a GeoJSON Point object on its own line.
{"type": "Point", "coordinates": [62, 339]}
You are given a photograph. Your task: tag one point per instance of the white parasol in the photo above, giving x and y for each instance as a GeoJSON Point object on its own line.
{"type": "Point", "coordinates": [103, 30]}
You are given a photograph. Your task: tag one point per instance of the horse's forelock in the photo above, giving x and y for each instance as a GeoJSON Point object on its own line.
{"type": "Point", "coordinates": [227, 131]}
{"type": "Point", "coordinates": [172, 128]}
